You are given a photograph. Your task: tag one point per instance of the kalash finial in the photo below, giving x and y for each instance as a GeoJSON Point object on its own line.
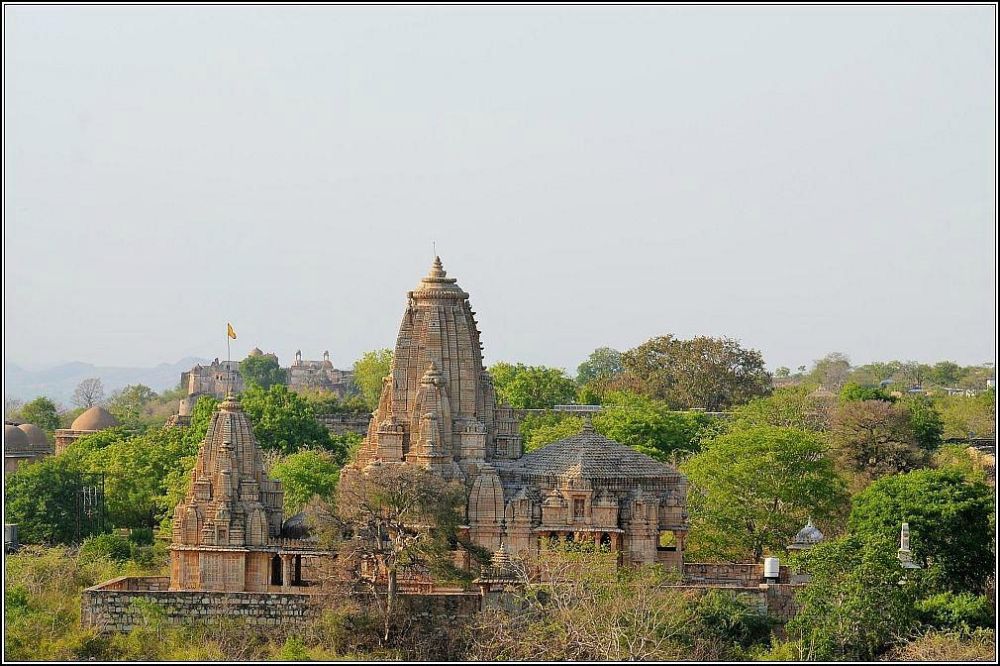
{"type": "Point", "coordinates": [437, 269]}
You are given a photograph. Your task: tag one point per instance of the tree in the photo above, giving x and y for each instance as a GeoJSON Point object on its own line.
{"type": "Point", "coordinates": [858, 603]}
{"type": "Point", "coordinates": [404, 520]}
{"type": "Point", "coordinates": [262, 371]}
{"type": "Point", "coordinates": [538, 429]}
{"type": "Point", "coordinates": [42, 412]}
{"type": "Point", "coordinates": [11, 407]}
{"type": "Point", "coordinates": [873, 438]}
{"type": "Point", "coordinates": [649, 426]}
{"type": "Point", "coordinates": [786, 407]}
{"type": "Point", "coordinates": [710, 373]}
{"type": "Point", "coordinates": [950, 531]}
{"type": "Point", "coordinates": [875, 373]}
{"type": "Point", "coordinates": [925, 421]}
{"type": "Point", "coordinates": [587, 610]}
{"type": "Point", "coordinates": [913, 374]}
{"type": "Point", "coordinates": [968, 416]}
{"type": "Point", "coordinates": [532, 387]}
{"type": "Point", "coordinates": [945, 373]}
{"type": "Point", "coordinates": [852, 392]}
{"type": "Point", "coordinates": [783, 372]}
{"type": "Point", "coordinates": [754, 488]}
{"type": "Point", "coordinates": [831, 371]}
{"type": "Point", "coordinates": [88, 393]}
{"type": "Point", "coordinates": [128, 404]}
{"type": "Point", "coordinates": [41, 499]}
{"type": "Point", "coordinates": [304, 475]}
{"type": "Point", "coordinates": [284, 421]}
{"type": "Point", "coordinates": [603, 363]}
{"type": "Point", "coordinates": [369, 371]}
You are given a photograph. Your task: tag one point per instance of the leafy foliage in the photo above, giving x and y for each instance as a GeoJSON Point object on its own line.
{"type": "Point", "coordinates": [304, 475]}
{"type": "Point", "coordinates": [532, 386]}
{"type": "Point", "coordinates": [710, 373]}
{"type": "Point", "coordinates": [950, 530]}
{"type": "Point", "coordinates": [369, 371]}
{"type": "Point", "coordinates": [41, 412]}
{"type": "Point", "coordinates": [649, 426]}
{"type": "Point", "coordinates": [262, 371]}
{"type": "Point", "coordinates": [858, 603]}
{"type": "Point", "coordinates": [284, 421]}
{"type": "Point", "coordinates": [752, 489]}
{"type": "Point", "coordinates": [956, 612]}
{"type": "Point", "coordinates": [603, 363]}
{"type": "Point", "coordinates": [873, 438]}
{"type": "Point", "coordinates": [853, 392]}
{"type": "Point", "coordinates": [788, 407]}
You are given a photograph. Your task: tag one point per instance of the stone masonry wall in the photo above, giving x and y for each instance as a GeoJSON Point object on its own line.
{"type": "Point", "coordinates": [114, 609]}
{"type": "Point", "coordinates": [739, 575]}
{"type": "Point", "coordinates": [112, 606]}
{"type": "Point", "coordinates": [339, 424]}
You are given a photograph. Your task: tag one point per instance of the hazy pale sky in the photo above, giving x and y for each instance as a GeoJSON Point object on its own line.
{"type": "Point", "coordinates": [805, 180]}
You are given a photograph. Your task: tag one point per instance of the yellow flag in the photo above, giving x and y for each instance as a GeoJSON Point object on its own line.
{"type": "Point", "coordinates": [229, 331]}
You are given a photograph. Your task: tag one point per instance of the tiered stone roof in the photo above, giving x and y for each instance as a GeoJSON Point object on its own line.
{"type": "Point", "coordinates": [588, 455]}
{"type": "Point", "coordinates": [231, 501]}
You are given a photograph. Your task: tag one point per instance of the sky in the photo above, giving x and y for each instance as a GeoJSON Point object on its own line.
{"type": "Point", "coordinates": [804, 180]}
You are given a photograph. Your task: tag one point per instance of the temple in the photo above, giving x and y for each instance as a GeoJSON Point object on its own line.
{"type": "Point", "coordinates": [438, 410]}
{"type": "Point", "coordinates": [228, 531]}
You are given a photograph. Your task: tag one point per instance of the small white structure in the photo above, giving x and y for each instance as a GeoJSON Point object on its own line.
{"type": "Point", "coordinates": [807, 537]}
{"type": "Point", "coordinates": [772, 567]}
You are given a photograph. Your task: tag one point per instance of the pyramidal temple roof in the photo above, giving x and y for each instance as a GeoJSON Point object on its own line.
{"type": "Point", "coordinates": [588, 455]}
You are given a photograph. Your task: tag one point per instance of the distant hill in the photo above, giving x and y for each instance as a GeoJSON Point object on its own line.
{"type": "Point", "coordinates": [58, 382]}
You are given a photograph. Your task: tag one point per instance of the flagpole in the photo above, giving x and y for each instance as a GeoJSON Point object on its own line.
{"type": "Point", "coordinates": [229, 361]}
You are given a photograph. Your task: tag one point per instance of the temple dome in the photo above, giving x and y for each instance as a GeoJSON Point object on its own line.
{"type": "Point", "coordinates": [36, 436]}
{"type": "Point", "coordinates": [15, 440]}
{"type": "Point", "coordinates": [808, 534]}
{"type": "Point", "coordinates": [95, 418]}
{"type": "Point", "coordinates": [589, 455]}
{"type": "Point", "coordinates": [256, 351]}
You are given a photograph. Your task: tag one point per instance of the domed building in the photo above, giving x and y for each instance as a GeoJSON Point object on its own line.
{"type": "Point", "coordinates": [438, 410]}
{"type": "Point", "coordinates": [23, 443]}
{"type": "Point", "coordinates": [93, 420]}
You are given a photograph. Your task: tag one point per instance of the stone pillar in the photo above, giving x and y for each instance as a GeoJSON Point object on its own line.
{"type": "Point", "coordinates": [286, 572]}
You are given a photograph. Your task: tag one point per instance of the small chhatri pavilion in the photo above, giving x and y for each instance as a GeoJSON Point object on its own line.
{"type": "Point", "coordinates": [227, 532]}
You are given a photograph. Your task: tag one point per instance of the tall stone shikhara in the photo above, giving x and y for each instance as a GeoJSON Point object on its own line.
{"type": "Point", "coordinates": [438, 410]}
{"type": "Point", "coordinates": [437, 407]}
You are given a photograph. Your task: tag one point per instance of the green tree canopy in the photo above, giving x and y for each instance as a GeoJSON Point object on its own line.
{"type": "Point", "coordinates": [709, 373]}
{"type": "Point", "coordinates": [532, 386]}
{"type": "Point", "coordinates": [831, 371]}
{"type": "Point", "coordinates": [753, 489]}
{"type": "Point", "coordinates": [950, 530]}
{"type": "Point", "coordinates": [42, 412]}
{"type": "Point", "coordinates": [369, 371]}
{"type": "Point", "coordinates": [649, 426]}
{"type": "Point", "coordinates": [305, 474]}
{"type": "Point", "coordinates": [262, 371]}
{"type": "Point", "coordinates": [284, 421]}
{"type": "Point", "coordinates": [787, 407]}
{"type": "Point", "coordinates": [603, 363]}
{"type": "Point", "coordinates": [858, 603]}
{"type": "Point", "coordinates": [128, 404]}
{"type": "Point", "coordinates": [854, 392]}
{"type": "Point", "coordinates": [925, 421]}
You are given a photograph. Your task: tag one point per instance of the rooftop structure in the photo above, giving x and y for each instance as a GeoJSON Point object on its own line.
{"type": "Point", "coordinates": [93, 420]}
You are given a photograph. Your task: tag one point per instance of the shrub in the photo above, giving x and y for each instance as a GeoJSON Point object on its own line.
{"type": "Point", "coordinates": [108, 546]}
{"type": "Point", "coordinates": [952, 611]}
